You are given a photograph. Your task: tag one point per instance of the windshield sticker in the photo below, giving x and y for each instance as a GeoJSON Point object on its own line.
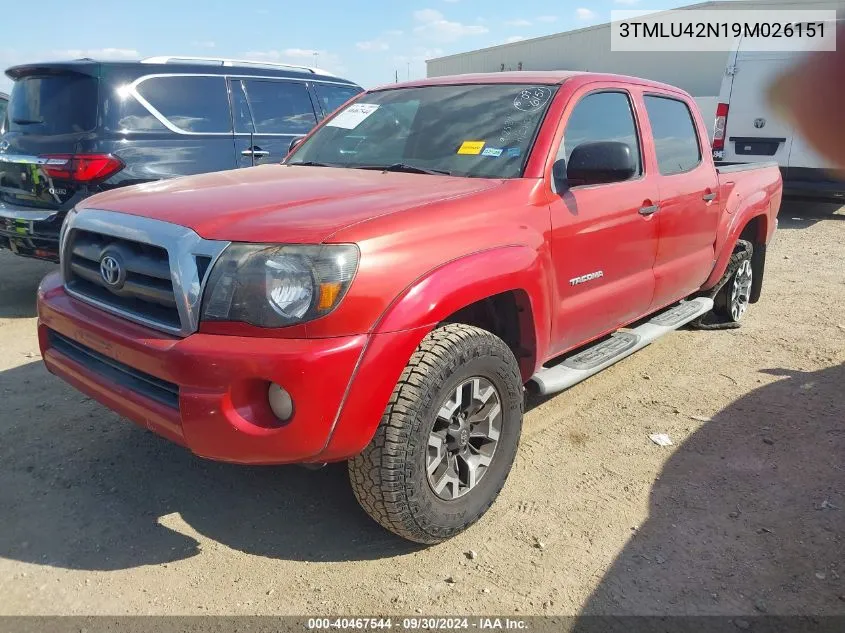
{"type": "Point", "coordinates": [471, 147]}
{"type": "Point", "coordinates": [353, 116]}
{"type": "Point", "coordinates": [513, 152]}
{"type": "Point", "coordinates": [532, 99]}
{"type": "Point", "coordinates": [492, 151]}
{"type": "Point", "coordinates": [518, 130]}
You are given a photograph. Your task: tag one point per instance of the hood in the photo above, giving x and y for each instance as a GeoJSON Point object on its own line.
{"type": "Point", "coordinates": [278, 203]}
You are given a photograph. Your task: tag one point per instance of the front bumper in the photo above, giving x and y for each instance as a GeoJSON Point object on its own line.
{"type": "Point", "coordinates": [218, 384]}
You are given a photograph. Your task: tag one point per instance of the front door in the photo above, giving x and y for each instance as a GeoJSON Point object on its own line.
{"type": "Point", "coordinates": [269, 114]}
{"type": "Point", "coordinates": [604, 237]}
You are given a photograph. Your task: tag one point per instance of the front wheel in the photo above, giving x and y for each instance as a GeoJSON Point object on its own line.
{"type": "Point", "coordinates": [448, 437]}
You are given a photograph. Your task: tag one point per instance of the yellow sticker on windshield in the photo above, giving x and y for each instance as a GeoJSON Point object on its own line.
{"type": "Point", "coordinates": [471, 147]}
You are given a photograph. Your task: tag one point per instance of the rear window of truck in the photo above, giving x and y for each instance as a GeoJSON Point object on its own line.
{"type": "Point", "coordinates": [53, 104]}
{"type": "Point", "coordinates": [675, 139]}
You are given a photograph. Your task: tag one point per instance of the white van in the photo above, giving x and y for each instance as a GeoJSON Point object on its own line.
{"type": "Point", "coordinates": [746, 130]}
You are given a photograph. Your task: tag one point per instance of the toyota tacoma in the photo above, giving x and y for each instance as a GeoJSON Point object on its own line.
{"type": "Point", "coordinates": [388, 293]}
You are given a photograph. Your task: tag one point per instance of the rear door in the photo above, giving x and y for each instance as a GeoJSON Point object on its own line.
{"type": "Point", "coordinates": [689, 210]}
{"type": "Point", "coordinates": [279, 112]}
{"type": "Point", "coordinates": [49, 115]}
{"type": "Point", "coordinates": [169, 125]}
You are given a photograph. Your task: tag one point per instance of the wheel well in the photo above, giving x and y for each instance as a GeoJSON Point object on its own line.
{"type": "Point", "coordinates": [507, 315]}
{"type": "Point", "coordinates": [755, 232]}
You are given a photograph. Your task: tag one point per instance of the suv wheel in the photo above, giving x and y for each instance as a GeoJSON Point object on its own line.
{"type": "Point", "coordinates": [448, 437]}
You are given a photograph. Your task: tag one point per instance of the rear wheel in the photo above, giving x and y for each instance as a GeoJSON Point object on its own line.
{"type": "Point", "coordinates": [731, 303]}
{"type": "Point", "coordinates": [448, 437]}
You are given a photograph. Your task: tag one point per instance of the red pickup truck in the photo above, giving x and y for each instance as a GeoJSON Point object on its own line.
{"type": "Point", "coordinates": [386, 294]}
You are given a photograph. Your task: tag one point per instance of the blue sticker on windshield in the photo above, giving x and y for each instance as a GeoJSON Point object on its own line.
{"type": "Point", "coordinates": [513, 152]}
{"type": "Point", "coordinates": [492, 151]}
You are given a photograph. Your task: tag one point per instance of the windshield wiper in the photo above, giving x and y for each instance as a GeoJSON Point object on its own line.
{"type": "Point", "coordinates": [411, 169]}
{"type": "Point", "coordinates": [27, 121]}
{"type": "Point", "coordinates": [312, 163]}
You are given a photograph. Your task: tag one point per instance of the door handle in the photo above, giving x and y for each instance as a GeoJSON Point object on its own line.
{"type": "Point", "coordinates": [650, 210]}
{"type": "Point", "coordinates": [258, 153]}
{"type": "Point", "coordinates": [708, 197]}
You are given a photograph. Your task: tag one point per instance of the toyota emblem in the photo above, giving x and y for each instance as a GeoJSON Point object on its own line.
{"type": "Point", "coordinates": [4, 145]}
{"type": "Point", "coordinates": [111, 271]}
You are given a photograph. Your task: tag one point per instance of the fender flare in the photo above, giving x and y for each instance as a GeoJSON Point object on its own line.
{"type": "Point", "coordinates": [423, 304]}
{"type": "Point", "coordinates": [456, 284]}
{"type": "Point", "coordinates": [734, 231]}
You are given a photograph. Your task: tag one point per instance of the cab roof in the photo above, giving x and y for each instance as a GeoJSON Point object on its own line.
{"type": "Point", "coordinates": [537, 77]}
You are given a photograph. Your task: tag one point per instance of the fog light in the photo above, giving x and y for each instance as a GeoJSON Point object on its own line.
{"type": "Point", "coordinates": [280, 402]}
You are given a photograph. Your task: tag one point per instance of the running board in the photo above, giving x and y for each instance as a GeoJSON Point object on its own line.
{"type": "Point", "coordinates": [621, 344]}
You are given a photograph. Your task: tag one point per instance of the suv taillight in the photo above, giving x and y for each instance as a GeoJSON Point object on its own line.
{"type": "Point", "coordinates": [720, 126]}
{"type": "Point", "coordinates": [82, 167]}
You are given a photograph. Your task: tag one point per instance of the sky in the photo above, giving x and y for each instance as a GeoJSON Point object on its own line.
{"type": "Point", "coordinates": [367, 42]}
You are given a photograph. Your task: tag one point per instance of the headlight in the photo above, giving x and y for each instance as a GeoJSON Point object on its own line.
{"type": "Point", "coordinates": [275, 286]}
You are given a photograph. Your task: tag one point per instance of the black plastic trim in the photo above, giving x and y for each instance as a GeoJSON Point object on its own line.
{"type": "Point", "coordinates": [162, 391]}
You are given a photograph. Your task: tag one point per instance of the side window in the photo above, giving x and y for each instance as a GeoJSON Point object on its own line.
{"type": "Point", "coordinates": [133, 117]}
{"type": "Point", "coordinates": [675, 138]}
{"type": "Point", "coordinates": [331, 96]}
{"type": "Point", "coordinates": [601, 116]}
{"type": "Point", "coordinates": [280, 107]}
{"type": "Point", "coordinates": [192, 104]}
{"type": "Point", "coordinates": [240, 109]}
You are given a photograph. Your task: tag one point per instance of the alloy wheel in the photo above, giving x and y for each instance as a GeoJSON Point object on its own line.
{"type": "Point", "coordinates": [463, 440]}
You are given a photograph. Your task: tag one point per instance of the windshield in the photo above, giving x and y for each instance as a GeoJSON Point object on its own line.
{"type": "Point", "coordinates": [471, 130]}
{"type": "Point", "coordinates": [53, 104]}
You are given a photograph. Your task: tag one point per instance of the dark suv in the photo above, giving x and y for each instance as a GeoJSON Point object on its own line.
{"type": "Point", "coordinates": [75, 128]}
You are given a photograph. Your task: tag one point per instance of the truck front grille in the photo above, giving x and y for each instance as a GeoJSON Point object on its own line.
{"type": "Point", "coordinates": [142, 284]}
{"type": "Point", "coordinates": [144, 270]}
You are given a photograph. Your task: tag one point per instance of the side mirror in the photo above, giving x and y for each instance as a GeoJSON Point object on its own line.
{"type": "Point", "coordinates": [600, 162]}
{"type": "Point", "coordinates": [294, 143]}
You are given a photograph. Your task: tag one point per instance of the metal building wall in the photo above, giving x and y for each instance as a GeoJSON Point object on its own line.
{"type": "Point", "coordinates": [588, 49]}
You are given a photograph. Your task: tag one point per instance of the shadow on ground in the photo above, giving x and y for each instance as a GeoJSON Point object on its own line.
{"type": "Point", "coordinates": [748, 516]}
{"type": "Point", "coordinates": [801, 214]}
{"type": "Point", "coordinates": [82, 488]}
{"type": "Point", "coordinates": [19, 279]}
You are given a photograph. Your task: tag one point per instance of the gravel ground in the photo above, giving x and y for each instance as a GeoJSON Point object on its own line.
{"type": "Point", "coordinates": [744, 514]}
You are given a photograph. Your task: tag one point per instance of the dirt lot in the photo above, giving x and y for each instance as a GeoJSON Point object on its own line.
{"type": "Point", "coordinates": [744, 514]}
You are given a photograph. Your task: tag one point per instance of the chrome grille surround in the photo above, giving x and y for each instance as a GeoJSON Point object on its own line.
{"type": "Point", "coordinates": [182, 245]}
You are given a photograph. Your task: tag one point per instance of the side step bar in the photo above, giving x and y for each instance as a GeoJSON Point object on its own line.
{"type": "Point", "coordinates": [590, 361]}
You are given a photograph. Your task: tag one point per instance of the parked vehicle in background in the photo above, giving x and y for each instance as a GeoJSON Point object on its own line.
{"type": "Point", "coordinates": [384, 294]}
{"type": "Point", "coordinates": [79, 127]}
{"type": "Point", "coordinates": [747, 130]}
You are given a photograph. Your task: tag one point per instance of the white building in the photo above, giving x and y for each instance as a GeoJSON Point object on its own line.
{"type": "Point", "coordinates": [588, 49]}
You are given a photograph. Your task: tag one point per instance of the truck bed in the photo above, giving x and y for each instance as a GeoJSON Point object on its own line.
{"type": "Point", "coordinates": [726, 167]}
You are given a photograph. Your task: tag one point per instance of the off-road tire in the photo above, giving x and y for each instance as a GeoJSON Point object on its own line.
{"type": "Point", "coordinates": [723, 299]}
{"type": "Point", "coordinates": [389, 477]}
